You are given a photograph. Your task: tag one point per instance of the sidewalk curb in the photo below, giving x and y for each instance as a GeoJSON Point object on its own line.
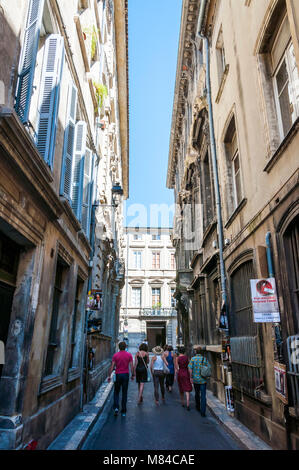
{"type": "Point", "coordinates": [246, 438]}
{"type": "Point", "coordinates": [76, 432]}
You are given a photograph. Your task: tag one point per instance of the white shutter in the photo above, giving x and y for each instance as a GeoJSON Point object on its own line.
{"type": "Point", "coordinates": [28, 59]}
{"type": "Point", "coordinates": [69, 140]}
{"type": "Point", "coordinates": [49, 96]}
{"type": "Point", "coordinates": [86, 203]}
{"type": "Point", "coordinates": [78, 168]}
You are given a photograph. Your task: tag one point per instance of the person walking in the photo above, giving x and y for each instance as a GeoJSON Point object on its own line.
{"type": "Point", "coordinates": [140, 368]}
{"type": "Point", "coordinates": [183, 377]}
{"type": "Point", "coordinates": [157, 369]}
{"type": "Point", "coordinates": [199, 382]}
{"type": "Point", "coordinates": [121, 362]}
{"type": "Point", "coordinates": [169, 356]}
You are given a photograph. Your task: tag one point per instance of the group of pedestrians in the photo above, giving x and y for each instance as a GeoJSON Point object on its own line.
{"type": "Point", "coordinates": [164, 368]}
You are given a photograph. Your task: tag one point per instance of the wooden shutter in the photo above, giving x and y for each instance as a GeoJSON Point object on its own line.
{"type": "Point", "coordinates": [78, 168]}
{"type": "Point", "coordinates": [49, 96]}
{"type": "Point", "coordinates": [28, 59]}
{"type": "Point", "coordinates": [69, 140]}
{"type": "Point", "coordinates": [88, 161]}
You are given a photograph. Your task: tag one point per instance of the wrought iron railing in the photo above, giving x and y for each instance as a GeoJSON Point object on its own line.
{"type": "Point", "coordinates": [158, 312]}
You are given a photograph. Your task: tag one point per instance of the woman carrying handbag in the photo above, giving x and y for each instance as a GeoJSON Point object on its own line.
{"type": "Point", "coordinates": [141, 369]}
{"type": "Point", "coordinates": [159, 368]}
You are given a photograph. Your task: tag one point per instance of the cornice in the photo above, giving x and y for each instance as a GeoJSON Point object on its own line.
{"type": "Point", "coordinates": [190, 10]}
{"type": "Point", "coordinates": [122, 60]}
{"type": "Point", "coordinates": [24, 155]}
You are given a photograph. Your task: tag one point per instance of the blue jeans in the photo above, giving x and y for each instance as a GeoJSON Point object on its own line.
{"type": "Point", "coordinates": [122, 382]}
{"type": "Point", "coordinates": [200, 397]}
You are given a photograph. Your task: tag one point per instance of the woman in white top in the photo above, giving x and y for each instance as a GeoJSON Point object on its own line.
{"type": "Point", "coordinates": [157, 370]}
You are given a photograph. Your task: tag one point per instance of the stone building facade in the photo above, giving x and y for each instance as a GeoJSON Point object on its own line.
{"type": "Point", "coordinates": [62, 64]}
{"type": "Point", "coordinates": [148, 304]}
{"type": "Point", "coordinates": [253, 63]}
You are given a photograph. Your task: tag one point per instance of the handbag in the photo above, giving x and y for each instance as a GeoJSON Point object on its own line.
{"type": "Point", "coordinates": [205, 371]}
{"type": "Point", "coordinates": [147, 369]}
{"type": "Point", "coordinates": [165, 369]}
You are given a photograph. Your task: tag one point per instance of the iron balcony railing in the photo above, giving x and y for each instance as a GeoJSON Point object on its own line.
{"type": "Point", "coordinates": [158, 312]}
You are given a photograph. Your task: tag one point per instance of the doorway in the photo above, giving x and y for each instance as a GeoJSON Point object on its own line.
{"type": "Point", "coordinates": [156, 334]}
{"type": "Point", "coordinates": [9, 258]}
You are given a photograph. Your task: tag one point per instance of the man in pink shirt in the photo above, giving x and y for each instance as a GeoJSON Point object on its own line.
{"type": "Point", "coordinates": [121, 362]}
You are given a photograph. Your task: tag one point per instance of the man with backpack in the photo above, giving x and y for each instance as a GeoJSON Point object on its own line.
{"type": "Point", "coordinates": [199, 370]}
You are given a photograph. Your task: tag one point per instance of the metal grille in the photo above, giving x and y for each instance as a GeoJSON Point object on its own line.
{"type": "Point", "coordinates": [292, 259]}
{"type": "Point", "coordinates": [241, 316]}
{"type": "Point", "coordinates": [245, 351]}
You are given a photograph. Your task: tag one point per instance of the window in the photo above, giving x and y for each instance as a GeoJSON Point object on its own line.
{"type": "Point", "coordinates": [137, 236]}
{"type": "Point", "coordinates": [156, 260]}
{"type": "Point", "coordinates": [206, 191]}
{"type": "Point", "coordinates": [137, 259]}
{"type": "Point", "coordinates": [74, 332]}
{"type": "Point", "coordinates": [53, 343]}
{"type": "Point", "coordinates": [286, 86]}
{"type": "Point", "coordinates": [279, 77]}
{"type": "Point", "coordinates": [156, 237]}
{"type": "Point", "coordinates": [234, 190]}
{"type": "Point", "coordinates": [136, 297]}
{"type": "Point", "coordinates": [291, 244]}
{"type": "Point", "coordinates": [245, 348]}
{"type": "Point", "coordinates": [156, 297]}
{"type": "Point", "coordinates": [172, 299]}
{"type": "Point", "coordinates": [172, 261]}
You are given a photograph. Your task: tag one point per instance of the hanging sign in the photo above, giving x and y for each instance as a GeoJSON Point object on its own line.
{"type": "Point", "coordinates": [264, 300]}
{"type": "Point", "coordinates": [280, 373]}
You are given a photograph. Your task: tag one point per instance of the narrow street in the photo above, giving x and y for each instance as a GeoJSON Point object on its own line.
{"type": "Point", "coordinates": [166, 427]}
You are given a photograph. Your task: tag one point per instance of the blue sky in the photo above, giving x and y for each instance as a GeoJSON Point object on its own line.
{"type": "Point", "coordinates": [153, 45]}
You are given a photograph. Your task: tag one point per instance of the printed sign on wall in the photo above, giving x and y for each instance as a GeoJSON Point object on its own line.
{"type": "Point", "coordinates": [264, 300]}
{"type": "Point", "coordinates": [281, 381]}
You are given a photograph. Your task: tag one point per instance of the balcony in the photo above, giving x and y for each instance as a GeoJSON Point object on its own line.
{"type": "Point", "coordinates": [158, 312]}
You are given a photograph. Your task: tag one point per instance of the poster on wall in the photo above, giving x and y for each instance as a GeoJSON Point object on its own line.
{"type": "Point", "coordinates": [280, 374]}
{"type": "Point", "coordinates": [94, 300]}
{"type": "Point", "coordinates": [264, 300]}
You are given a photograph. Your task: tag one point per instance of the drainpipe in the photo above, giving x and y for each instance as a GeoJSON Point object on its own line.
{"type": "Point", "coordinates": [269, 255]}
{"type": "Point", "coordinates": [214, 161]}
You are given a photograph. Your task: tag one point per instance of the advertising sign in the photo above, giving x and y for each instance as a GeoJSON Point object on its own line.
{"type": "Point", "coordinates": [94, 300]}
{"type": "Point", "coordinates": [280, 373]}
{"type": "Point", "coordinates": [264, 300]}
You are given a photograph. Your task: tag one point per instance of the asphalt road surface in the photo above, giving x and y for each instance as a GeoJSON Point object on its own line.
{"type": "Point", "coordinates": [168, 426]}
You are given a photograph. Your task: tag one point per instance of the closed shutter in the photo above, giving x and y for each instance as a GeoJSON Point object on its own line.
{"type": "Point", "coordinates": [28, 59]}
{"type": "Point", "coordinates": [87, 189]}
{"type": "Point", "coordinates": [69, 140]}
{"type": "Point", "coordinates": [49, 96]}
{"type": "Point", "coordinates": [78, 168]}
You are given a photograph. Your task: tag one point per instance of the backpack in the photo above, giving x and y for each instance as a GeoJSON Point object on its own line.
{"type": "Point", "coordinates": [205, 371]}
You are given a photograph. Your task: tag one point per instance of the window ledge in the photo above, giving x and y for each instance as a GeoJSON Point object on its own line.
{"type": "Point", "coordinates": [223, 80]}
{"type": "Point", "coordinates": [235, 213]}
{"type": "Point", "coordinates": [49, 383]}
{"type": "Point", "coordinates": [284, 144]}
{"type": "Point", "coordinates": [73, 374]}
{"type": "Point", "coordinates": [209, 229]}
{"type": "Point", "coordinates": [82, 43]}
